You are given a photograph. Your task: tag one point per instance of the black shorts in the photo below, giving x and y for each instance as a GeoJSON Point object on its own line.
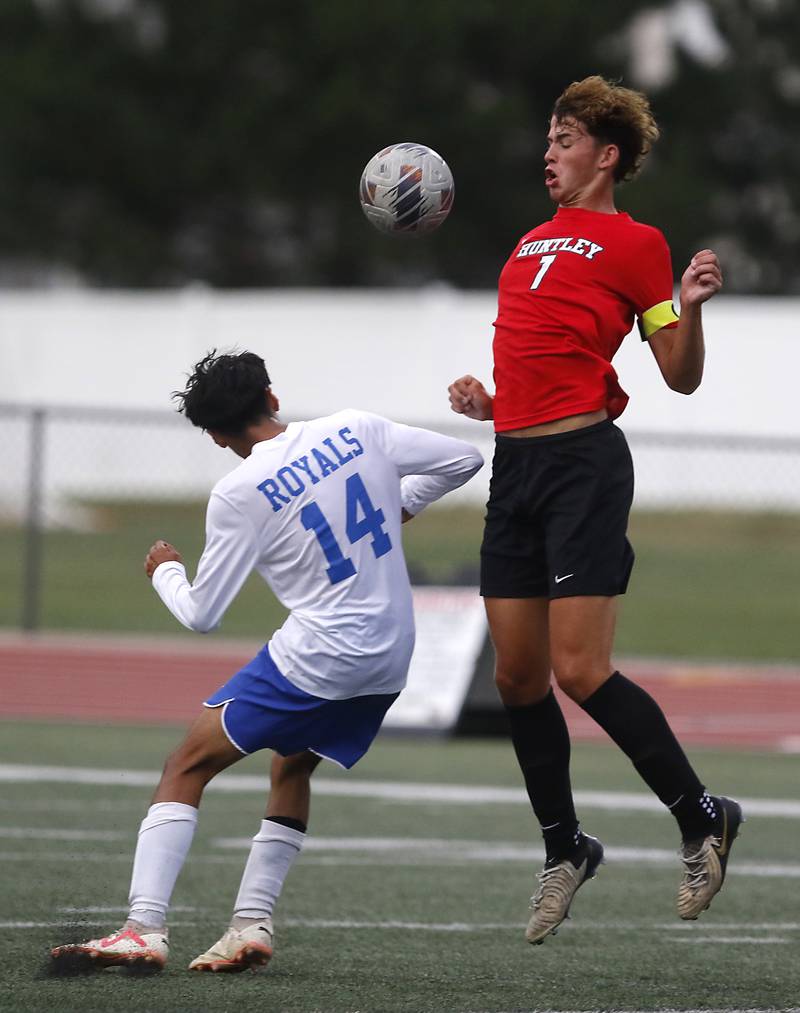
{"type": "Point", "coordinates": [557, 515]}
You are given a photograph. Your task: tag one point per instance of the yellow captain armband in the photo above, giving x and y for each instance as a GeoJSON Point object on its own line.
{"type": "Point", "coordinates": [658, 316]}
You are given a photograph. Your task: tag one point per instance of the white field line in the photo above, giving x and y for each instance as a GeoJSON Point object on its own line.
{"type": "Point", "coordinates": [727, 940]}
{"type": "Point", "coordinates": [769, 872]}
{"type": "Point", "coordinates": [120, 804]}
{"type": "Point", "coordinates": [39, 858]}
{"type": "Point", "coordinates": [395, 851]}
{"type": "Point", "coordinates": [456, 794]}
{"type": "Point", "coordinates": [412, 861]}
{"type": "Point", "coordinates": [574, 926]}
{"type": "Point", "coordinates": [72, 924]}
{"type": "Point", "coordinates": [726, 926]}
{"type": "Point", "coordinates": [411, 850]}
{"type": "Point", "coordinates": [110, 910]}
{"type": "Point", "coordinates": [46, 834]}
{"type": "Point", "coordinates": [493, 851]}
{"type": "Point", "coordinates": [118, 858]}
{"type": "Point", "coordinates": [709, 932]}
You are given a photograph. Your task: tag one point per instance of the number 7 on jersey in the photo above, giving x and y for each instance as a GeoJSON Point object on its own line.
{"type": "Point", "coordinates": [544, 266]}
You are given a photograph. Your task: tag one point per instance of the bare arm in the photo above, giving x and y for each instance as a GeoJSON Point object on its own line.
{"type": "Point", "coordinates": [469, 397]}
{"type": "Point", "coordinates": [680, 351]}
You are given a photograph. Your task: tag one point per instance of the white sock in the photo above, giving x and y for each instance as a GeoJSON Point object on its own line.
{"type": "Point", "coordinates": [272, 852]}
{"type": "Point", "coordinates": [164, 840]}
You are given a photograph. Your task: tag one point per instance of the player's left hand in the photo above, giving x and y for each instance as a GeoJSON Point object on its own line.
{"type": "Point", "coordinates": [701, 279]}
{"type": "Point", "coordinates": [160, 552]}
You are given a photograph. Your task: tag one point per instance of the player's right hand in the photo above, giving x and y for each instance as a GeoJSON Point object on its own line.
{"type": "Point", "coordinates": [469, 397]}
{"type": "Point", "coordinates": [158, 553]}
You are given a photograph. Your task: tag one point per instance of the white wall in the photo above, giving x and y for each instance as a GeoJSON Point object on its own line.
{"type": "Point", "coordinates": [392, 352]}
{"type": "Point", "coordinates": [388, 351]}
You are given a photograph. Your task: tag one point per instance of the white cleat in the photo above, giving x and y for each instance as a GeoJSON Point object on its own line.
{"type": "Point", "coordinates": [705, 862]}
{"type": "Point", "coordinates": [558, 884]}
{"type": "Point", "coordinates": [238, 950]}
{"type": "Point", "coordinates": [145, 951]}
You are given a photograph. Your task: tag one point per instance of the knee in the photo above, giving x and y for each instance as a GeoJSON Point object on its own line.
{"type": "Point", "coordinates": [186, 762]}
{"type": "Point", "coordinates": [578, 677]}
{"type": "Point", "coordinates": [298, 767]}
{"type": "Point", "coordinates": [520, 686]}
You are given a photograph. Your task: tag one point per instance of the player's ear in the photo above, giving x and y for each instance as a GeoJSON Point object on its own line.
{"type": "Point", "coordinates": [218, 438]}
{"type": "Point", "coordinates": [609, 156]}
{"type": "Point", "coordinates": [273, 402]}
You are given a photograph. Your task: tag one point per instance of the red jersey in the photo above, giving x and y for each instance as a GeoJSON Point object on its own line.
{"type": "Point", "coordinates": [568, 295]}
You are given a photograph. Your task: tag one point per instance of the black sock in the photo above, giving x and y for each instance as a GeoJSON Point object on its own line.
{"type": "Point", "coordinates": [541, 742]}
{"type": "Point", "coordinates": [288, 821]}
{"type": "Point", "coordinates": [696, 816]}
{"type": "Point", "coordinates": [637, 724]}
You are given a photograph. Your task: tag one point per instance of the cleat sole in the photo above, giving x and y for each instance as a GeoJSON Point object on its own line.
{"type": "Point", "coordinates": [250, 958]}
{"type": "Point", "coordinates": [78, 959]}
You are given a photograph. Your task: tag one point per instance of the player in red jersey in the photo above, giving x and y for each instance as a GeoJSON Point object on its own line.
{"type": "Point", "coordinates": [555, 553]}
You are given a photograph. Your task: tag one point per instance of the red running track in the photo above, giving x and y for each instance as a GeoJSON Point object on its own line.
{"type": "Point", "coordinates": [126, 680]}
{"type": "Point", "coordinates": [164, 680]}
{"type": "Point", "coordinates": [715, 704]}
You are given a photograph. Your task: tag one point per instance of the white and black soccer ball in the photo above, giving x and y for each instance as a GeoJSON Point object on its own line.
{"type": "Point", "coordinates": [406, 189]}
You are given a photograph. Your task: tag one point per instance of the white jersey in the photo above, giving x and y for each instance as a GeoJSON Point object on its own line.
{"type": "Point", "coordinates": [316, 511]}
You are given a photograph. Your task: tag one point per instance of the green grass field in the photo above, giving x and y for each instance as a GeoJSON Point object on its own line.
{"type": "Point", "coordinates": [397, 905]}
{"type": "Point", "coordinates": [706, 585]}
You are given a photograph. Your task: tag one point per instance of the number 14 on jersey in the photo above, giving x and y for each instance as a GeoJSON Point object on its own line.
{"type": "Point", "coordinates": [370, 522]}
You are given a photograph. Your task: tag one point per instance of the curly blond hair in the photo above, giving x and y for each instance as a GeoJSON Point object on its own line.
{"type": "Point", "coordinates": [612, 114]}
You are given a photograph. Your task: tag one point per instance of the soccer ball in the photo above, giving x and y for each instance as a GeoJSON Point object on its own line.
{"type": "Point", "coordinates": [406, 189]}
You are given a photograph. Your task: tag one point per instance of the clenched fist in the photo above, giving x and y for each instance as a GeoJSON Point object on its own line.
{"type": "Point", "coordinates": [160, 552]}
{"type": "Point", "coordinates": [469, 397]}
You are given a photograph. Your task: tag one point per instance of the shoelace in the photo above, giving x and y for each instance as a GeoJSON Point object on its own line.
{"type": "Point", "coordinates": [696, 868]}
{"type": "Point", "coordinates": [548, 877]}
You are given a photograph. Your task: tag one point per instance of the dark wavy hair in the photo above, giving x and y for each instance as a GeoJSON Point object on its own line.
{"type": "Point", "coordinates": [614, 115]}
{"type": "Point", "coordinates": [226, 393]}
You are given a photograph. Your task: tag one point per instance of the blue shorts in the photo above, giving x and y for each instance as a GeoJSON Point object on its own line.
{"type": "Point", "coordinates": [263, 710]}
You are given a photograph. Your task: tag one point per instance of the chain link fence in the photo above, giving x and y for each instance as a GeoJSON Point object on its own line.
{"type": "Point", "coordinates": [80, 472]}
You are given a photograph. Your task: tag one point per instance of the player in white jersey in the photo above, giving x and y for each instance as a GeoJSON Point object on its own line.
{"type": "Point", "coordinates": [315, 508]}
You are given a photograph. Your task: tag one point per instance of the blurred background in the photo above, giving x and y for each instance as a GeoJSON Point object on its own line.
{"type": "Point", "coordinates": [162, 143]}
{"type": "Point", "coordinates": [178, 175]}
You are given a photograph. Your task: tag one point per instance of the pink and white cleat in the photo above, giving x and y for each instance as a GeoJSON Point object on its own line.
{"type": "Point", "coordinates": [238, 950]}
{"type": "Point", "coordinates": [140, 951]}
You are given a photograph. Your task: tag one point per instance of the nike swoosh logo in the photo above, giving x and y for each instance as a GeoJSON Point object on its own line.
{"type": "Point", "coordinates": [559, 579]}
